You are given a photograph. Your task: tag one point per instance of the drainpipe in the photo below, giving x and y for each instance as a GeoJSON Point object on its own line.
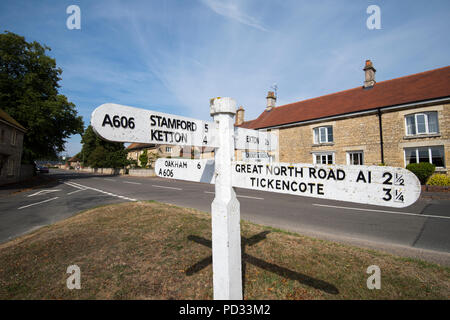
{"type": "Point", "coordinates": [381, 135]}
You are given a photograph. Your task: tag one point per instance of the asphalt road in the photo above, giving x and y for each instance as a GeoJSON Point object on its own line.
{"type": "Point", "coordinates": [421, 230]}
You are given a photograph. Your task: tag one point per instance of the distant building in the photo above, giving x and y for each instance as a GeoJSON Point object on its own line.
{"type": "Point", "coordinates": [11, 148]}
{"type": "Point", "coordinates": [395, 122]}
{"type": "Point", "coordinates": [167, 151]}
{"type": "Point", "coordinates": [74, 162]}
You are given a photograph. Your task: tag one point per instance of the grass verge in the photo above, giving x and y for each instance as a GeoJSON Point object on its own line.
{"type": "Point", "coordinates": [149, 250]}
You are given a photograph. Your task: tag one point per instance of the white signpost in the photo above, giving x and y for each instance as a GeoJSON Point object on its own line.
{"type": "Point", "coordinates": [249, 139]}
{"type": "Point", "coordinates": [119, 123]}
{"type": "Point", "coordinates": [255, 156]}
{"type": "Point", "coordinates": [387, 186]}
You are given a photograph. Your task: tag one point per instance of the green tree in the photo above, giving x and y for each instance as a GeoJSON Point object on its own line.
{"type": "Point", "coordinates": [143, 158]}
{"type": "Point", "coordinates": [29, 93]}
{"type": "Point", "coordinates": [98, 153]}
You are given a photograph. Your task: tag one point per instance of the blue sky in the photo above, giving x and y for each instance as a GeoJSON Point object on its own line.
{"type": "Point", "coordinates": [174, 55]}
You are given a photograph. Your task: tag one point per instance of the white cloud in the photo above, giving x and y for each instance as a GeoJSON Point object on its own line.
{"type": "Point", "coordinates": [231, 10]}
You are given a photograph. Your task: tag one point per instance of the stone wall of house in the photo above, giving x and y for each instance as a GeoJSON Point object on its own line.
{"type": "Point", "coordinates": [361, 133]}
{"type": "Point", "coordinates": [10, 154]}
{"type": "Point", "coordinates": [351, 134]}
{"type": "Point", "coordinates": [395, 139]}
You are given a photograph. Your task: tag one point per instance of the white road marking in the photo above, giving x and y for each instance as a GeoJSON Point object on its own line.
{"type": "Point", "coordinates": [132, 182]}
{"type": "Point", "coordinates": [154, 185]}
{"type": "Point", "coordinates": [239, 196]}
{"type": "Point", "coordinates": [74, 185]}
{"type": "Point", "coordinates": [75, 191]}
{"type": "Point", "coordinates": [80, 186]}
{"type": "Point", "coordinates": [43, 192]}
{"type": "Point", "coordinates": [384, 211]}
{"type": "Point", "coordinates": [33, 204]}
{"type": "Point", "coordinates": [109, 179]}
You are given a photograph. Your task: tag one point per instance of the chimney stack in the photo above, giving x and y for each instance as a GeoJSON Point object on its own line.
{"type": "Point", "coordinates": [271, 100]}
{"type": "Point", "coordinates": [239, 116]}
{"type": "Point", "coordinates": [369, 70]}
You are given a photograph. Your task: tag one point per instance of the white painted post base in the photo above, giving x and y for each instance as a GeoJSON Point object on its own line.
{"type": "Point", "coordinates": [225, 209]}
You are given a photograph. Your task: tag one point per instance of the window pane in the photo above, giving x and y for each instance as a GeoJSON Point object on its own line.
{"type": "Point", "coordinates": [330, 159]}
{"type": "Point", "coordinates": [410, 155]}
{"type": "Point", "coordinates": [432, 122]}
{"type": "Point", "coordinates": [420, 123]}
{"type": "Point", "coordinates": [410, 125]}
{"type": "Point", "coordinates": [437, 154]}
{"type": "Point", "coordinates": [316, 135]}
{"type": "Point", "coordinates": [318, 159]}
{"type": "Point", "coordinates": [424, 155]}
{"type": "Point", "coordinates": [323, 134]}
{"type": "Point", "coordinates": [330, 134]}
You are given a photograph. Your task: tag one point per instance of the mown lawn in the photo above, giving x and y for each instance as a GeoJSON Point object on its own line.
{"type": "Point", "coordinates": [149, 250]}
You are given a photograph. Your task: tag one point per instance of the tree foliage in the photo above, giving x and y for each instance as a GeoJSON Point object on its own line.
{"type": "Point", "coordinates": [98, 153]}
{"type": "Point", "coordinates": [143, 158]}
{"type": "Point", "coordinates": [29, 93]}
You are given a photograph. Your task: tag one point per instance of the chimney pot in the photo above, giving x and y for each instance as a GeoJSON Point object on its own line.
{"type": "Point", "coordinates": [369, 70]}
{"type": "Point", "coordinates": [271, 100]}
{"type": "Point", "coordinates": [239, 116]}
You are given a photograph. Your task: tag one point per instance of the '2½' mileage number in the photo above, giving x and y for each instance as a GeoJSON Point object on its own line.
{"type": "Point", "coordinates": [118, 122]}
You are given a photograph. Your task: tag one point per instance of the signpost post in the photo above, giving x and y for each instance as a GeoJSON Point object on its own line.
{"type": "Point", "coordinates": [225, 209]}
{"type": "Point", "coordinates": [387, 186]}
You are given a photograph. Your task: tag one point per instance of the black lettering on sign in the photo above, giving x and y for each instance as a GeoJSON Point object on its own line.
{"type": "Point", "coordinates": [107, 120]}
{"type": "Point", "coordinates": [169, 123]}
{"type": "Point", "coordinates": [118, 122]}
{"type": "Point", "coordinates": [362, 176]}
{"type": "Point", "coordinates": [387, 195]}
{"type": "Point", "coordinates": [389, 178]}
{"type": "Point", "coordinates": [399, 181]}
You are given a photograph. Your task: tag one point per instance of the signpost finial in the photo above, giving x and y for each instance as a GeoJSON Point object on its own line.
{"type": "Point", "coordinates": [222, 105]}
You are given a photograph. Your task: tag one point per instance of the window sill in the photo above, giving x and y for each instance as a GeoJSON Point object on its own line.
{"type": "Point", "coordinates": [421, 136]}
{"type": "Point", "coordinates": [323, 144]}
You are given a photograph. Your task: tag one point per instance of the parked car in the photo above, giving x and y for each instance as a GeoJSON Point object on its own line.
{"type": "Point", "coordinates": [41, 169]}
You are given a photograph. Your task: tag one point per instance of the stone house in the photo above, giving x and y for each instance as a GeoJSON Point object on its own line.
{"type": "Point", "coordinates": [74, 162]}
{"type": "Point", "coordinates": [393, 122]}
{"type": "Point", "coordinates": [11, 147]}
{"type": "Point", "coordinates": [167, 151]}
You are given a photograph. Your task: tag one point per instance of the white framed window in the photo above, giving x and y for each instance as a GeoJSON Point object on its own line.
{"type": "Point", "coordinates": [355, 158]}
{"type": "Point", "coordinates": [422, 123]}
{"type": "Point", "coordinates": [323, 134]}
{"type": "Point", "coordinates": [168, 149]}
{"type": "Point", "coordinates": [323, 158]}
{"type": "Point", "coordinates": [434, 155]}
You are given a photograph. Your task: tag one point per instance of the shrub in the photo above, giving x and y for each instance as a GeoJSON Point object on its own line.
{"type": "Point", "coordinates": [143, 158]}
{"type": "Point", "coordinates": [422, 170]}
{"type": "Point", "coordinates": [439, 180]}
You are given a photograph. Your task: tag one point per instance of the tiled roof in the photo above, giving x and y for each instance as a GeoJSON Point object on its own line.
{"type": "Point", "coordinates": [418, 87]}
{"type": "Point", "coordinates": [134, 146]}
{"type": "Point", "coordinates": [6, 117]}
